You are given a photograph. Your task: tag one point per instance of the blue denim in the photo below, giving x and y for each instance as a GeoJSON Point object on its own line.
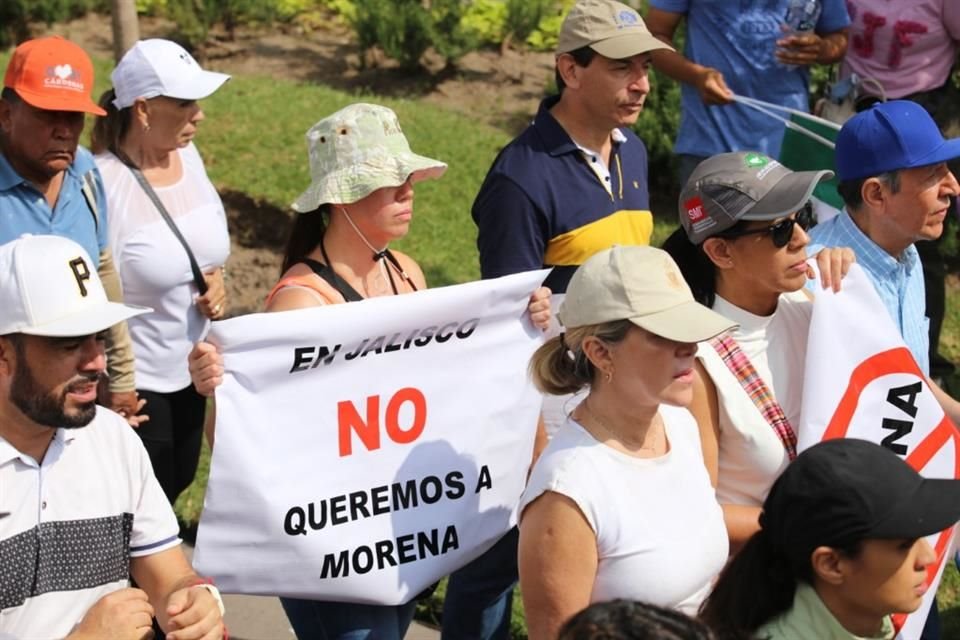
{"type": "Point", "coordinates": [314, 620]}
{"type": "Point", "coordinates": [480, 595]}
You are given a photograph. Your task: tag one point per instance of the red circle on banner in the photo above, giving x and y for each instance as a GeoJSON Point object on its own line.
{"type": "Point", "coordinates": [898, 360]}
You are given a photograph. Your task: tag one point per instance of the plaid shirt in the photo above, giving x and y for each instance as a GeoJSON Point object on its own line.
{"type": "Point", "coordinates": [899, 282]}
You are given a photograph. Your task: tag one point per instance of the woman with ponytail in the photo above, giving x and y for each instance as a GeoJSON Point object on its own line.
{"type": "Point", "coordinates": [145, 152]}
{"type": "Point", "coordinates": [841, 547]}
{"type": "Point", "coordinates": [742, 248]}
{"type": "Point", "coordinates": [619, 505]}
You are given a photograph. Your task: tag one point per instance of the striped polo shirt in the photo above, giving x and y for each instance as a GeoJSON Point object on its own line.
{"type": "Point", "coordinates": [545, 202]}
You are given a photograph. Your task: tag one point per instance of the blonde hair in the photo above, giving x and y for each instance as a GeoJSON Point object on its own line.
{"type": "Point", "coordinates": [560, 366]}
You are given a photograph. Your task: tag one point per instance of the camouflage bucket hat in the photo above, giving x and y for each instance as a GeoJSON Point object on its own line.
{"type": "Point", "coordinates": [356, 151]}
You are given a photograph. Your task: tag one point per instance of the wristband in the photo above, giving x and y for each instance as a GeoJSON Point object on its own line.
{"type": "Point", "coordinates": [214, 592]}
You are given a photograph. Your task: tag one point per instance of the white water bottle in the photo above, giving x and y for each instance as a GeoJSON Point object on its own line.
{"type": "Point", "coordinates": [802, 16]}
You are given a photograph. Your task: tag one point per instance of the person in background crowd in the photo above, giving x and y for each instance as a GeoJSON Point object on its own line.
{"type": "Point", "coordinates": [88, 512]}
{"type": "Point", "coordinates": [152, 117]}
{"type": "Point", "coordinates": [360, 199]}
{"type": "Point", "coordinates": [910, 49]}
{"type": "Point", "coordinates": [50, 185]}
{"type": "Point", "coordinates": [742, 249]}
{"type": "Point", "coordinates": [621, 492]}
{"type": "Point", "coordinates": [740, 48]}
{"type": "Point", "coordinates": [841, 547]}
{"type": "Point", "coordinates": [897, 188]}
{"type": "Point", "coordinates": [572, 184]}
{"type": "Point", "coordinates": [628, 620]}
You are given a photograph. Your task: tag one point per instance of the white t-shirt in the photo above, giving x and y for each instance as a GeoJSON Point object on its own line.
{"type": "Point", "coordinates": [75, 521]}
{"type": "Point", "coordinates": [660, 532]}
{"type": "Point", "coordinates": [751, 455]}
{"type": "Point", "coordinates": [153, 265]}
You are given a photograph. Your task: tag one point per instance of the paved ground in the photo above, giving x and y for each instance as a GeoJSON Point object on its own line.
{"type": "Point", "coordinates": [261, 618]}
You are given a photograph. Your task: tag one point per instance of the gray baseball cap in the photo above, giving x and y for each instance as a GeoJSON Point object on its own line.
{"type": "Point", "coordinates": [745, 185]}
{"type": "Point", "coordinates": [643, 285]}
{"type": "Point", "coordinates": [610, 28]}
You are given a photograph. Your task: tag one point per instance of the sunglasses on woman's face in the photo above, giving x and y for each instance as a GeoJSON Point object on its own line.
{"type": "Point", "coordinates": [782, 231]}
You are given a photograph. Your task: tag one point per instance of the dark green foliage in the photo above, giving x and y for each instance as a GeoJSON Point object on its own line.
{"type": "Point", "coordinates": [405, 29]}
{"type": "Point", "coordinates": [524, 16]}
{"type": "Point", "coordinates": [15, 15]}
{"type": "Point", "coordinates": [400, 27]}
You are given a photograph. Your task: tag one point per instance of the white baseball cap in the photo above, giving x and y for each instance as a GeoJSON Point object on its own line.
{"type": "Point", "coordinates": [643, 285]}
{"type": "Point", "coordinates": [158, 67]}
{"type": "Point", "coordinates": [53, 290]}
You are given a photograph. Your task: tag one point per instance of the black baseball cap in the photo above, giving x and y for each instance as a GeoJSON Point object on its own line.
{"type": "Point", "coordinates": [839, 492]}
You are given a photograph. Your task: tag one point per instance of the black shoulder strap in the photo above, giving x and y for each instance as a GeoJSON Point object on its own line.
{"type": "Point", "coordinates": [198, 278]}
{"type": "Point", "coordinates": [90, 195]}
{"type": "Point", "coordinates": [324, 271]}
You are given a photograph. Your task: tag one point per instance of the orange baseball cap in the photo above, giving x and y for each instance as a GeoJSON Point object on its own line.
{"type": "Point", "coordinates": [54, 74]}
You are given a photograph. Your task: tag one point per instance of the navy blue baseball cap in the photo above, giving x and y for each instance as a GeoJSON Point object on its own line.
{"type": "Point", "coordinates": [888, 136]}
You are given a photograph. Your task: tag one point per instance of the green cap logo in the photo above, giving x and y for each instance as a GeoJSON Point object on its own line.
{"type": "Point", "coordinates": [755, 160]}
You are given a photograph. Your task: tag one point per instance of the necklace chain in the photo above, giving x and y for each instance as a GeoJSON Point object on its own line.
{"type": "Point", "coordinates": [611, 433]}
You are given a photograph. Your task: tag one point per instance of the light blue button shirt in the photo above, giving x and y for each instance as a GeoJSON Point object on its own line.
{"type": "Point", "coordinates": [899, 281]}
{"type": "Point", "coordinates": [23, 209]}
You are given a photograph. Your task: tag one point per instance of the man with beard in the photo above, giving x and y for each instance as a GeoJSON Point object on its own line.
{"type": "Point", "coordinates": [85, 510]}
{"type": "Point", "coordinates": [50, 185]}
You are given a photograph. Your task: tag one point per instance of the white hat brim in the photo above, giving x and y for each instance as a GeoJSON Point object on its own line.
{"type": "Point", "coordinates": [87, 322]}
{"type": "Point", "coordinates": [344, 187]}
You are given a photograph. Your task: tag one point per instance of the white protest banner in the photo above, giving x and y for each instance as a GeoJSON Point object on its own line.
{"type": "Point", "coordinates": [861, 382]}
{"type": "Point", "coordinates": [365, 450]}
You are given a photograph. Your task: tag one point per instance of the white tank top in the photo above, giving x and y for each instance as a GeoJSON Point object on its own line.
{"type": "Point", "coordinates": [751, 455]}
{"type": "Point", "coordinates": [660, 532]}
{"type": "Point", "coordinates": [153, 265]}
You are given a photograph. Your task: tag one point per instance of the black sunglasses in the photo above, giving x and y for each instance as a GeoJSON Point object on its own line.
{"type": "Point", "coordinates": [782, 231]}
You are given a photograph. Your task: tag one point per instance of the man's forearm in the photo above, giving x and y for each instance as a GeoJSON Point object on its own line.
{"type": "Point", "coordinates": [120, 361]}
{"type": "Point", "coordinates": [833, 47]}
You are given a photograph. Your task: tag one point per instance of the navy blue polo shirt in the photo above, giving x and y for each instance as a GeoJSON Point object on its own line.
{"type": "Point", "coordinates": [541, 205]}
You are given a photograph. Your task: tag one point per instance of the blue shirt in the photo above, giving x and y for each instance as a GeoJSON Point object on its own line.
{"type": "Point", "coordinates": [23, 209]}
{"type": "Point", "coordinates": [738, 38]}
{"type": "Point", "coordinates": [542, 205]}
{"type": "Point", "coordinates": [899, 282]}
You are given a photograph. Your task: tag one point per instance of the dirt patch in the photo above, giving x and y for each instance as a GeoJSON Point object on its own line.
{"type": "Point", "coordinates": [501, 89]}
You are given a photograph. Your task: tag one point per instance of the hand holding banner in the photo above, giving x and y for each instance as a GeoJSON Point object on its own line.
{"type": "Point", "coordinates": [862, 382]}
{"type": "Point", "coordinates": [365, 450]}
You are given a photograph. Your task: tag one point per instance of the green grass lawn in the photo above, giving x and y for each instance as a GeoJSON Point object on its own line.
{"type": "Point", "coordinates": [253, 144]}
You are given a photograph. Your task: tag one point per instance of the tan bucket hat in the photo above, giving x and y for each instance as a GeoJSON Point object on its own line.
{"type": "Point", "coordinates": [356, 151]}
{"type": "Point", "coordinates": [643, 285]}
{"type": "Point", "coordinates": [610, 28]}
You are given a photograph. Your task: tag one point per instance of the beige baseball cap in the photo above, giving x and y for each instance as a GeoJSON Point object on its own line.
{"type": "Point", "coordinates": [610, 28]}
{"type": "Point", "coordinates": [643, 285]}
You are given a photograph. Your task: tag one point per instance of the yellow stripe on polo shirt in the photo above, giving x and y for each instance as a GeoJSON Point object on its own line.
{"type": "Point", "coordinates": [621, 227]}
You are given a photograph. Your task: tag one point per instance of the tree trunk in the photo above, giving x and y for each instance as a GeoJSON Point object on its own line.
{"type": "Point", "coordinates": [126, 29]}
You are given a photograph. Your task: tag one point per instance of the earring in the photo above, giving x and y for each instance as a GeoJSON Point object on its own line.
{"type": "Point", "coordinates": [609, 376]}
{"type": "Point", "coordinates": [146, 127]}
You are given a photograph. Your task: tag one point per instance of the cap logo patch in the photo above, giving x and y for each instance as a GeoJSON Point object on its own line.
{"type": "Point", "coordinates": [755, 160]}
{"type": "Point", "coordinates": [674, 280]}
{"type": "Point", "coordinates": [767, 169]}
{"type": "Point", "coordinates": [81, 272]}
{"type": "Point", "coordinates": [694, 207]}
{"type": "Point", "coordinates": [627, 18]}
{"type": "Point", "coordinates": [63, 76]}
